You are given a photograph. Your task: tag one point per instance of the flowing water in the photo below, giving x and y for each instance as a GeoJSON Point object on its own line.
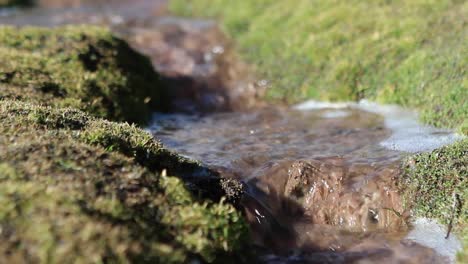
{"type": "Point", "coordinates": [321, 179]}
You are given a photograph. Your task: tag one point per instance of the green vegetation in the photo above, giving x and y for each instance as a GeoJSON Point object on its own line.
{"type": "Point", "coordinates": [432, 178]}
{"type": "Point", "coordinates": [70, 195]}
{"type": "Point", "coordinates": [412, 53]}
{"type": "Point", "coordinates": [4, 3]}
{"type": "Point", "coordinates": [84, 67]}
{"type": "Point", "coordinates": [78, 188]}
{"type": "Point", "coordinates": [433, 182]}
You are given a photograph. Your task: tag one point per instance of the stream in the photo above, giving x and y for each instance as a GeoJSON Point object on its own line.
{"type": "Point", "coordinates": [321, 178]}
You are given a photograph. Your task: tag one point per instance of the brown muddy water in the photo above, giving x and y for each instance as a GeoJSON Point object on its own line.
{"type": "Point", "coordinates": [321, 179]}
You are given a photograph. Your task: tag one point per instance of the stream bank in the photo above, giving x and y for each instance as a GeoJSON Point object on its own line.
{"type": "Point", "coordinates": [293, 164]}
{"type": "Point", "coordinates": [79, 188]}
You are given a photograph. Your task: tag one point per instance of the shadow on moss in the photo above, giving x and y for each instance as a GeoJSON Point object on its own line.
{"type": "Point", "coordinates": [84, 67]}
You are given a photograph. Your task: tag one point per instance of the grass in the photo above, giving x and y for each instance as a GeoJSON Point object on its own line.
{"type": "Point", "coordinates": [433, 179]}
{"type": "Point", "coordinates": [433, 182]}
{"type": "Point", "coordinates": [412, 53]}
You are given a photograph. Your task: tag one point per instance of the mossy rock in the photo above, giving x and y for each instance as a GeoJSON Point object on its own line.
{"type": "Point", "coordinates": [71, 196]}
{"type": "Point", "coordinates": [434, 182]}
{"type": "Point", "coordinates": [84, 67]}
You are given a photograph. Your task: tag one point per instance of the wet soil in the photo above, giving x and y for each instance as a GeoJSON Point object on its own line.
{"type": "Point", "coordinates": [319, 186]}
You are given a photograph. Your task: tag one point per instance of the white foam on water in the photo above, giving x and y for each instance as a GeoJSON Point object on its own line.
{"type": "Point", "coordinates": [318, 105]}
{"type": "Point", "coordinates": [408, 135]}
{"type": "Point", "coordinates": [429, 233]}
{"type": "Point", "coordinates": [335, 114]}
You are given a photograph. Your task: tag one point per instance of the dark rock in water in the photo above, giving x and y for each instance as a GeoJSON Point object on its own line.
{"type": "Point", "coordinates": [198, 64]}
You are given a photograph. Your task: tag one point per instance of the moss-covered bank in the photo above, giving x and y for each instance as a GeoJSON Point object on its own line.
{"type": "Point", "coordinates": [436, 186]}
{"type": "Point", "coordinates": [83, 67]}
{"type": "Point", "coordinates": [413, 53]}
{"type": "Point", "coordinates": [69, 195]}
{"type": "Point", "coordinates": [432, 180]}
{"type": "Point", "coordinates": [78, 188]}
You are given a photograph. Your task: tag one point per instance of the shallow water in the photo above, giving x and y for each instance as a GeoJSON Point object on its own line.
{"type": "Point", "coordinates": [321, 178]}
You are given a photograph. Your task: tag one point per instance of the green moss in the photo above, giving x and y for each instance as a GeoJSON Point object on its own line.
{"type": "Point", "coordinates": [432, 178]}
{"type": "Point", "coordinates": [412, 53]}
{"type": "Point", "coordinates": [78, 188]}
{"type": "Point", "coordinates": [136, 143]}
{"type": "Point", "coordinates": [84, 67]}
{"type": "Point", "coordinates": [433, 182]}
{"type": "Point", "coordinates": [128, 140]}
{"type": "Point", "coordinates": [69, 196]}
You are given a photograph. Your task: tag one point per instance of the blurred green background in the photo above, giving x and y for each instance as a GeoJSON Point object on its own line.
{"type": "Point", "coordinates": [412, 53]}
